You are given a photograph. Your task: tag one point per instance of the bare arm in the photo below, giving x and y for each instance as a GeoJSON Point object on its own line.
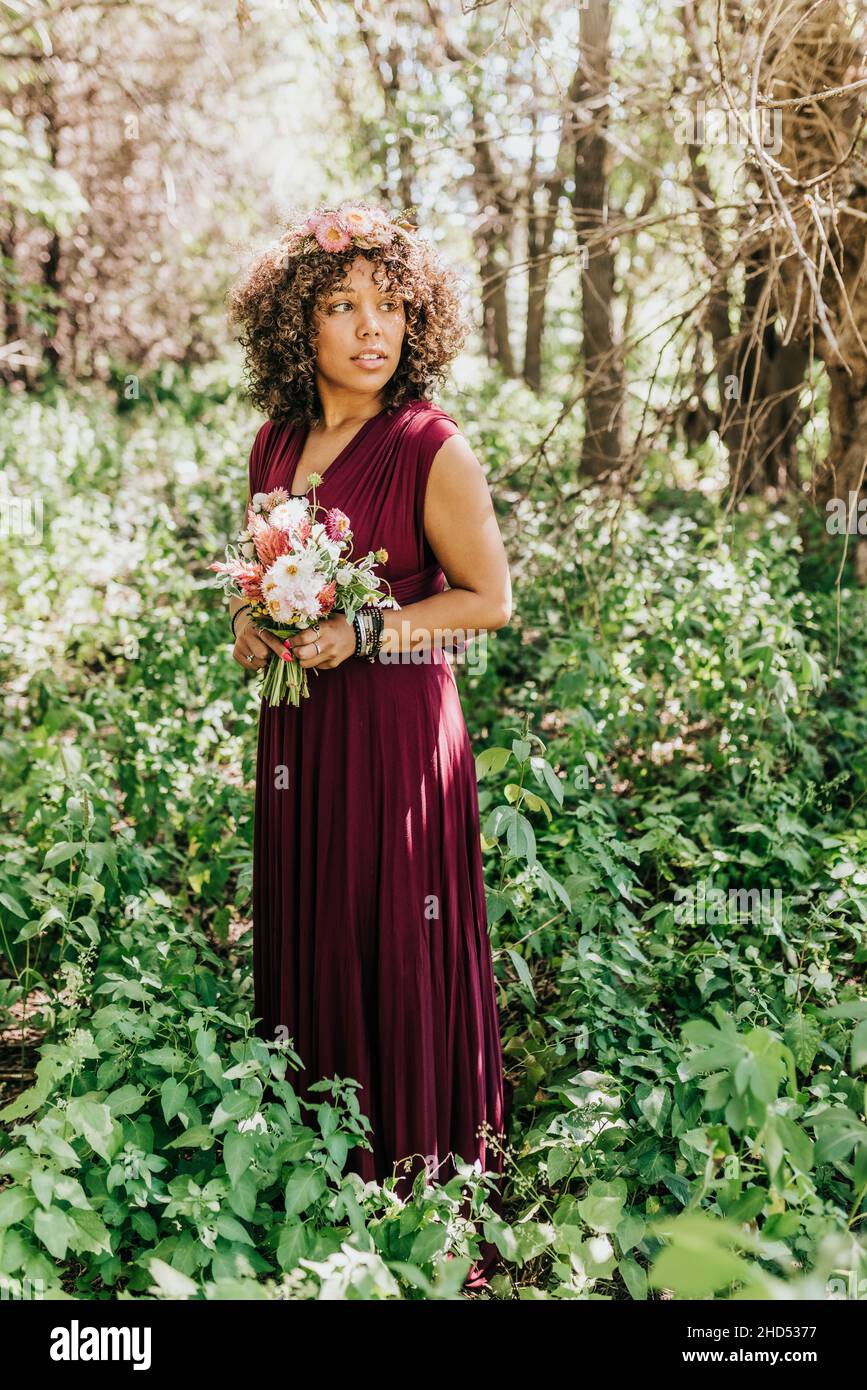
{"type": "Point", "coordinates": [462, 530]}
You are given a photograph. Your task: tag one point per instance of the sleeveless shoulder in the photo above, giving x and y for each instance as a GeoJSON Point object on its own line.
{"type": "Point", "coordinates": [429, 429]}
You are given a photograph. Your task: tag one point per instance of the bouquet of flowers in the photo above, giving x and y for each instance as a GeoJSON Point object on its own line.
{"type": "Point", "coordinates": [294, 570]}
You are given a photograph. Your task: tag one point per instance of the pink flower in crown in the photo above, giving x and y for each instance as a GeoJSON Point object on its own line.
{"type": "Point", "coordinates": [358, 220]}
{"type": "Point", "coordinates": [336, 524]}
{"type": "Point", "coordinates": [329, 231]}
{"type": "Point", "coordinates": [381, 226]}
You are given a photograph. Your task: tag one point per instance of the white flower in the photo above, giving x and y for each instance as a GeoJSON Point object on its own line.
{"type": "Point", "coordinates": [287, 515]}
{"type": "Point", "coordinates": [292, 569]}
{"type": "Point", "coordinates": [344, 574]}
{"type": "Point", "coordinates": [291, 586]}
{"type": "Point", "coordinates": [258, 501]}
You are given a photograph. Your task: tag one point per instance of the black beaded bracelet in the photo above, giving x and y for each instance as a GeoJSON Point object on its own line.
{"type": "Point", "coordinates": [358, 624]}
{"type": "Point", "coordinates": [378, 622]}
{"type": "Point", "coordinates": [235, 614]}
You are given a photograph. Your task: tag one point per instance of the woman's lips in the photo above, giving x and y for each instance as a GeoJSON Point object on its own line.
{"type": "Point", "coordinates": [371, 363]}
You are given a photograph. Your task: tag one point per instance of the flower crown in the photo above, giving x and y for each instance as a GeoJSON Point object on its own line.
{"type": "Point", "coordinates": [351, 224]}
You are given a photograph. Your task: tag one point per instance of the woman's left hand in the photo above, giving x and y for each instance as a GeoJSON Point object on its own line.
{"type": "Point", "coordinates": [334, 636]}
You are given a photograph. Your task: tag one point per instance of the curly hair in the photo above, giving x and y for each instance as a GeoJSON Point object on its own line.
{"type": "Point", "coordinates": [276, 299]}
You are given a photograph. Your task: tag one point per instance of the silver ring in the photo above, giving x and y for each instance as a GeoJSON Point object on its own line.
{"type": "Point", "coordinates": [249, 657]}
{"type": "Point", "coordinates": [318, 653]}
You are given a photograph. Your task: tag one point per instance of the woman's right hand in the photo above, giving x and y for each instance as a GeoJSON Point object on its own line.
{"type": "Point", "coordinates": [252, 646]}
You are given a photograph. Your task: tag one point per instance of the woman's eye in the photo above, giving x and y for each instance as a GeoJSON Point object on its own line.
{"type": "Point", "coordinates": [339, 303]}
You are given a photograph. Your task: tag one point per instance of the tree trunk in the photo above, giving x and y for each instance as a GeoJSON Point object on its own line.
{"type": "Point", "coordinates": [602, 446]}
{"type": "Point", "coordinates": [493, 242]}
{"type": "Point", "coordinates": [821, 245]}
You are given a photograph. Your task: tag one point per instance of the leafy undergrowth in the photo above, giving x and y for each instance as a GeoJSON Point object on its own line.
{"type": "Point", "coordinates": [672, 785]}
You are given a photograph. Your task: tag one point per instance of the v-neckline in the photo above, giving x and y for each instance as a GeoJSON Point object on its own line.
{"type": "Point", "coordinates": [301, 439]}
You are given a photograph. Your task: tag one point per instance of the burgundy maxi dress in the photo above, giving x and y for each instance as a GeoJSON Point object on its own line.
{"type": "Point", "coordinates": [370, 943]}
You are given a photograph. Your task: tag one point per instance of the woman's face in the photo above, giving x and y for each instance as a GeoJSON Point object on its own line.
{"type": "Point", "coordinates": [361, 319]}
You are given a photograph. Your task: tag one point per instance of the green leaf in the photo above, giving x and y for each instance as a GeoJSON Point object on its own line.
{"type": "Point", "coordinates": [634, 1277]}
{"type": "Point", "coordinates": [54, 1229]}
{"type": "Point", "coordinates": [235, 1105]}
{"type": "Point", "coordinates": [93, 1121]}
{"type": "Point", "coordinates": [602, 1208]}
{"type": "Point", "coordinates": [859, 1046]}
{"type": "Point", "coordinates": [197, 1137]}
{"type": "Point", "coordinates": [520, 838]}
{"type": "Point", "coordinates": [232, 1229]}
{"type": "Point", "coordinates": [537, 803]}
{"type": "Point", "coordinates": [173, 1094]}
{"type": "Point", "coordinates": [12, 905]}
{"type": "Point", "coordinates": [804, 1037]}
{"type": "Point", "coordinates": [171, 1281]}
{"type": "Point", "coordinates": [91, 1235]}
{"type": "Point", "coordinates": [125, 1101]}
{"type": "Point", "coordinates": [491, 760]}
{"type": "Point", "coordinates": [292, 1245]}
{"type": "Point", "coordinates": [554, 783]}
{"type": "Point", "coordinates": [522, 969]}
{"type": "Point", "coordinates": [61, 852]}
{"type": "Point", "coordinates": [305, 1186]}
{"type": "Point", "coordinates": [698, 1261]}
{"type": "Point", "coordinates": [15, 1205]}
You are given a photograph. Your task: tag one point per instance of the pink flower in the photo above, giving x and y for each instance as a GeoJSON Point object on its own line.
{"type": "Point", "coordinates": [336, 524]}
{"type": "Point", "coordinates": [357, 219]}
{"type": "Point", "coordinates": [327, 595]}
{"type": "Point", "coordinates": [381, 227]}
{"type": "Point", "coordinates": [268, 540]}
{"type": "Point", "coordinates": [330, 232]}
{"type": "Point", "coordinates": [247, 576]}
{"type": "Point", "coordinates": [275, 497]}
{"type": "Point", "coordinates": [251, 582]}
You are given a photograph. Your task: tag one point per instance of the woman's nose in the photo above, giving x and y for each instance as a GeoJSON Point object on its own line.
{"type": "Point", "coordinates": [370, 322]}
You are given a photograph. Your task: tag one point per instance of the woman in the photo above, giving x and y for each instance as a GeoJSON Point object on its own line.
{"type": "Point", "coordinates": [370, 941]}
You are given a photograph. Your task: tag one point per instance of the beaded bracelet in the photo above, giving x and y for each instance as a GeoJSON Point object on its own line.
{"type": "Point", "coordinates": [359, 633]}
{"type": "Point", "coordinates": [378, 622]}
{"type": "Point", "coordinates": [235, 614]}
{"type": "Point", "coordinates": [368, 624]}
